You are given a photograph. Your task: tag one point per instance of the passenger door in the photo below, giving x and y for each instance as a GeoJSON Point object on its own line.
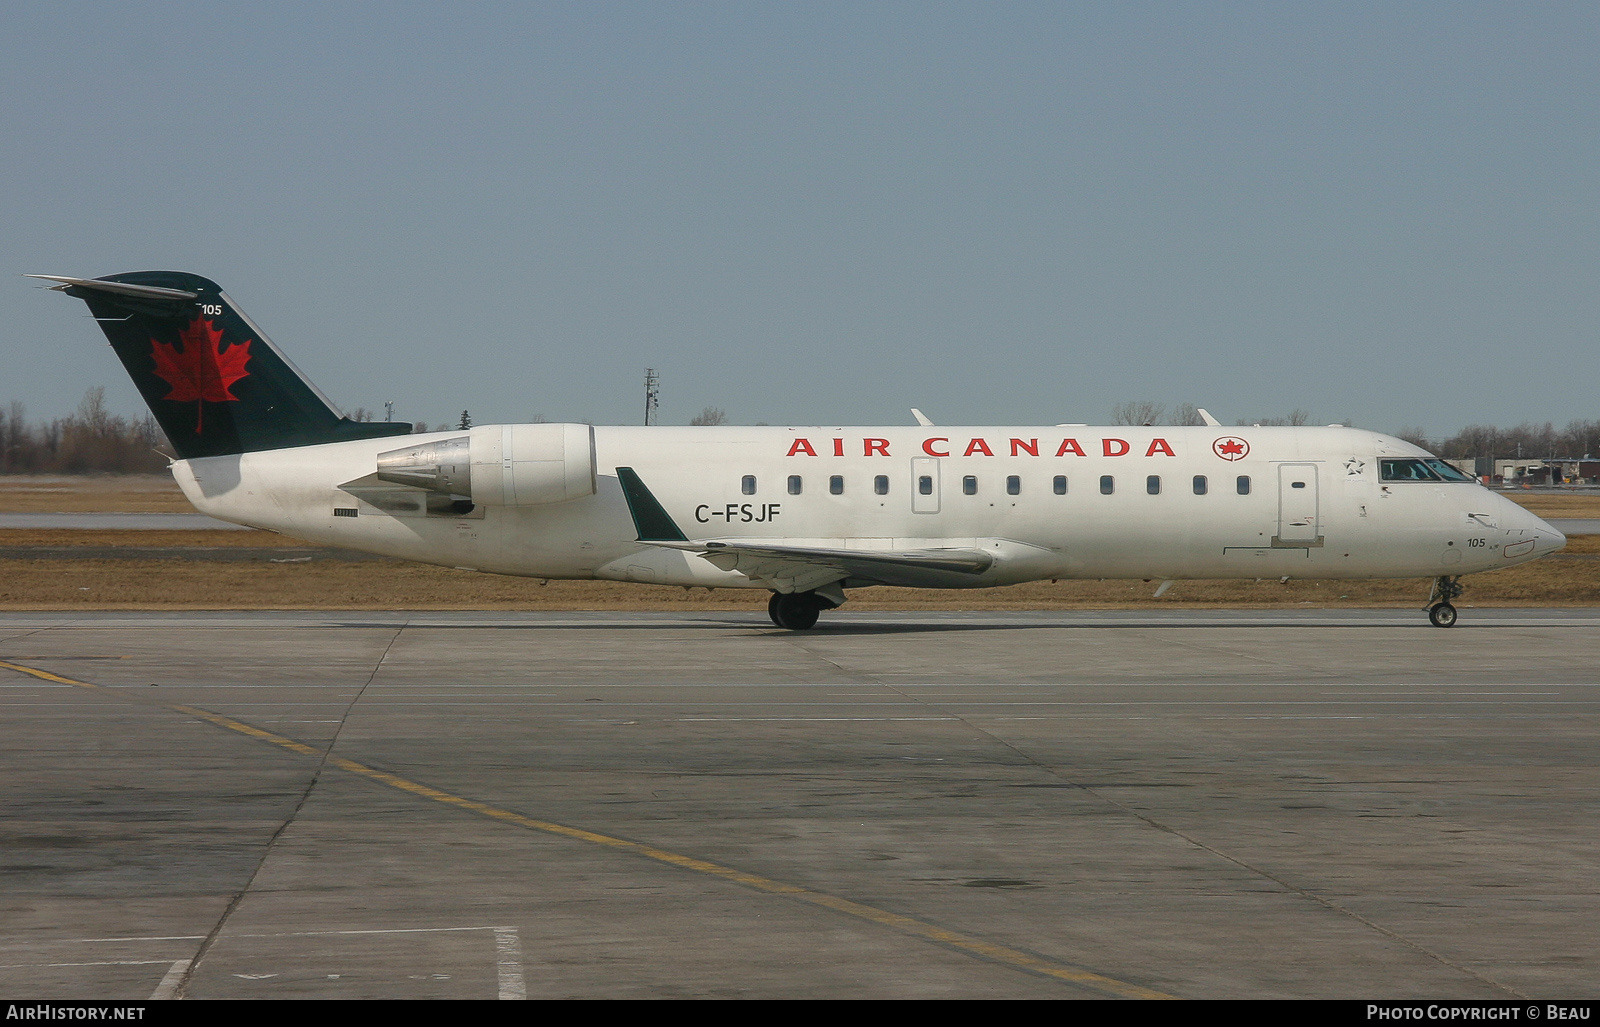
{"type": "Point", "coordinates": [924, 485]}
{"type": "Point", "coordinates": [1297, 505]}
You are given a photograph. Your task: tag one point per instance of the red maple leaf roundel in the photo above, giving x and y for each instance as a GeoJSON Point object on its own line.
{"type": "Point", "coordinates": [1231, 447]}
{"type": "Point", "coordinates": [201, 372]}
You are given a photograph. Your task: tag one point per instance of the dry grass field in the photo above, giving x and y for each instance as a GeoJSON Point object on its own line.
{"type": "Point", "coordinates": [1571, 578]}
{"type": "Point", "coordinates": [1558, 504]}
{"type": "Point", "coordinates": [92, 493]}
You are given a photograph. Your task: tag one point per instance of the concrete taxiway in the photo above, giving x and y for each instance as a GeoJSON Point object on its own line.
{"type": "Point", "coordinates": [1188, 803]}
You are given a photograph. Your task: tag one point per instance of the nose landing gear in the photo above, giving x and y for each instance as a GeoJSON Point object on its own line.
{"type": "Point", "coordinates": [1440, 613]}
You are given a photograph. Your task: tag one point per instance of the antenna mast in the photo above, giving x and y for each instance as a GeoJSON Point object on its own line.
{"type": "Point", "coordinates": [652, 394]}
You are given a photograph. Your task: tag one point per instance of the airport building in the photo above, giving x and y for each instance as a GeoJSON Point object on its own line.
{"type": "Point", "coordinates": [1523, 471]}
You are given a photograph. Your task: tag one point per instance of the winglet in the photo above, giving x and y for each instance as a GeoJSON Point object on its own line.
{"type": "Point", "coordinates": [650, 519]}
{"type": "Point", "coordinates": [1205, 415]}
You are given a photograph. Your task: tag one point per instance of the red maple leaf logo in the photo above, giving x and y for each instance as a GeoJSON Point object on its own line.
{"type": "Point", "coordinates": [1231, 448]}
{"type": "Point", "coordinates": [201, 371]}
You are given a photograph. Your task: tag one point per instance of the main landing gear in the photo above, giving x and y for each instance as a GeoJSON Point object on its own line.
{"type": "Point", "coordinates": [1440, 613]}
{"type": "Point", "coordinates": [797, 611]}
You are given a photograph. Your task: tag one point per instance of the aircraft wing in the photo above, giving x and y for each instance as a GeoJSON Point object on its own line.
{"type": "Point", "coordinates": [795, 568]}
{"type": "Point", "coordinates": [807, 567]}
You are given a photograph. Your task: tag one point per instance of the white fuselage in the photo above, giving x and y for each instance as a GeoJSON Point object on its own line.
{"type": "Point", "coordinates": [1312, 504]}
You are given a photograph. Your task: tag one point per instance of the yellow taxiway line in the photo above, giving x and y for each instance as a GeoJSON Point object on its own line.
{"type": "Point", "coordinates": [908, 925]}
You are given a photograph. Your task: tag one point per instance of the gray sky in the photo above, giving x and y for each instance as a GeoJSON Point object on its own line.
{"type": "Point", "coordinates": [815, 212]}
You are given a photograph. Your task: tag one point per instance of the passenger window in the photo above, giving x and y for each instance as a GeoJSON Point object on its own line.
{"type": "Point", "coordinates": [1199, 484]}
{"type": "Point", "coordinates": [880, 484]}
{"type": "Point", "coordinates": [1013, 485]}
{"type": "Point", "coordinates": [836, 484]}
{"type": "Point", "coordinates": [1242, 486]}
{"type": "Point", "coordinates": [969, 485]}
{"type": "Point", "coordinates": [1106, 484]}
{"type": "Point", "coordinates": [1061, 484]}
{"type": "Point", "coordinates": [748, 485]}
{"type": "Point", "coordinates": [1297, 485]}
{"type": "Point", "coordinates": [1152, 484]}
{"type": "Point", "coordinates": [794, 484]}
{"type": "Point", "coordinates": [925, 484]}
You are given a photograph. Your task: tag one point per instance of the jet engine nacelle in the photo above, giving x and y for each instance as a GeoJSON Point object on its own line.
{"type": "Point", "coordinates": [500, 465]}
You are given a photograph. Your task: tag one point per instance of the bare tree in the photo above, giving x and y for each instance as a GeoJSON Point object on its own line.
{"type": "Point", "coordinates": [1187, 414]}
{"type": "Point", "coordinates": [1475, 440]}
{"type": "Point", "coordinates": [1581, 438]}
{"type": "Point", "coordinates": [90, 438]}
{"type": "Point", "coordinates": [148, 431]}
{"type": "Point", "coordinates": [709, 417]}
{"type": "Point", "coordinates": [1295, 416]}
{"type": "Point", "coordinates": [93, 416]}
{"type": "Point", "coordinates": [1138, 412]}
{"type": "Point", "coordinates": [15, 454]}
{"type": "Point", "coordinates": [1416, 436]}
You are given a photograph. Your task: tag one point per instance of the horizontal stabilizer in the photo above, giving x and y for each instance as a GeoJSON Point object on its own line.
{"type": "Point", "coordinates": [149, 292]}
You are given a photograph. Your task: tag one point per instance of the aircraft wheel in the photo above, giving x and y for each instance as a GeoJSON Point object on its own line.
{"type": "Point", "coordinates": [796, 611]}
{"type": "Point", "coordinates": [1442, 615]}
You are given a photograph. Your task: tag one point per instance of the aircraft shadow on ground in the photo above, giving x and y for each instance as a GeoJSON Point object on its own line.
{"type": "Point", "coordinates": [825, 629]}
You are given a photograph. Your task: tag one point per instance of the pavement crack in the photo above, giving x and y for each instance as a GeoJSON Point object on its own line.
{"type": "Point", "coordinates": [182, 988]}
{"type": "Point", "coordinates": [1288, 886]}
{"type": "Point", "coordinates": [1275, 662]}
{"type": "Point", "coordinates": [794, 640]}
{"type": "Point", "coordinates": [1243, 864]}
{"type": "Point", "coordinates": [26, 634]}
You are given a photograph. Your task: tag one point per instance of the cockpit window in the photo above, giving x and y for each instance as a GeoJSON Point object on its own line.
{"type": "Point", "coordinates": [1419, 470]}
{"type": "Point", "coordinates": [1405, 470]}
{"type": "Point", "coordinates": [1447, 472]}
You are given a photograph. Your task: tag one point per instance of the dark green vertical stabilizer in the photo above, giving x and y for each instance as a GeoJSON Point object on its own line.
{"type": "Point", "coordinates": [216, 385]}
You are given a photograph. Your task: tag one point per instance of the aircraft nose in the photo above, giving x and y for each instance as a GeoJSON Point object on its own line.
{"type": "Point", "coordinates": [1527, 535]}
{"type": "Point", "coordinates": [1549, 538]}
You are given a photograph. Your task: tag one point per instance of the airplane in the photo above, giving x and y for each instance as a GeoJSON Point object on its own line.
{"type": "Point", "coordinates": [806, 513]}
